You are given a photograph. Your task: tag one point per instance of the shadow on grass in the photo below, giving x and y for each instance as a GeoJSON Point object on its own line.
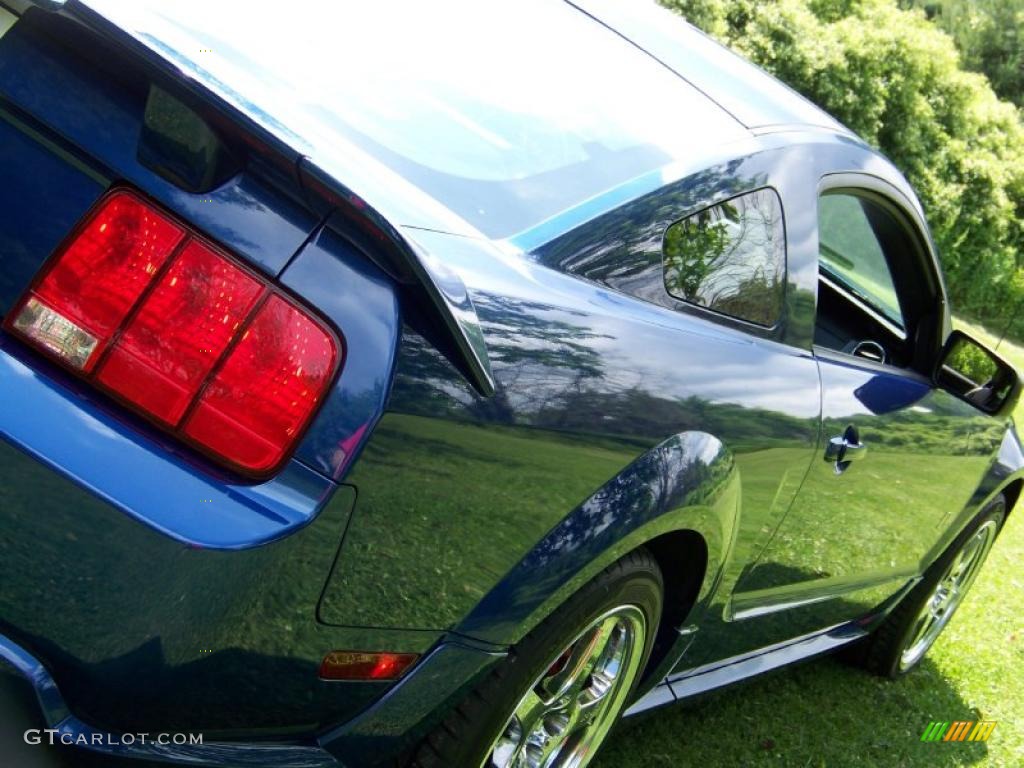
{"type": "Point", "coordinates": [823, 713]}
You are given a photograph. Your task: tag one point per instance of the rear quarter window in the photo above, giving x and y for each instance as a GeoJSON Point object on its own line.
{"type": "Point", "coordinates": [730, 258]}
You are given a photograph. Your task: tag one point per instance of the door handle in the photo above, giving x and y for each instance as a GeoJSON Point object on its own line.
{"type": "Point", "coordinates": [842, 451]}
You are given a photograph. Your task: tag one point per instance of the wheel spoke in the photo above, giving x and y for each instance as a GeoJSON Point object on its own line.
{"type": "Point", "coordinates": [924, 623]}
{"type": "Point", "coordinates": [940, 606]}
{"type": "Point", "coordinates": [603, 658]}
{"type": "Point", "coordinates": [570, 677]}
{"type": "Point", "coordinates": [958, 566]}
{"type": "Point", "coordinates": [507, 750]}
{"type": "Point", "coordinates": [566, 713]}
{"type": "Point", "coordinates": [529, 712]}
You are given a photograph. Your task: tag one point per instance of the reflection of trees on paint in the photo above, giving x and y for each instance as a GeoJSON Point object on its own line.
{"type": "Point", "coordinates": [730, 257]}
{"type": "Point", "coordinates": [684, 471]}
{"type": "Point", "coordinates": [550, 375]}
{"type": "Point", "coordinates": [537, 353]}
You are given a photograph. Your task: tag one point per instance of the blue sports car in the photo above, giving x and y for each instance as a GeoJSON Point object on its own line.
{"type": "Point", "coordinates": [435, 384]}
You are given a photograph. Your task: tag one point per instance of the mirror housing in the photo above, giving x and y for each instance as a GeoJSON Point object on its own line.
{"type": "Point", "coordinates": [977, 375]}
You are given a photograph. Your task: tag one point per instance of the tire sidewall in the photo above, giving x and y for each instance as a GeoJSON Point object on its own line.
{"type": "Point", "coordinates": [995, 510]}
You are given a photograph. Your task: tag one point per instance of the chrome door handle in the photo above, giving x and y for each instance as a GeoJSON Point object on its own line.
{"type": "Point", "coordinates": [843, 450]}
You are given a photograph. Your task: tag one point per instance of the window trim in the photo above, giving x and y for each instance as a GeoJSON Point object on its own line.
{"type": "Point", "coordinates": [877, 316]}
{"type": "Point", "coordinates": [743, 323]}
{"type": "Point", "coordinates": [839, 357]}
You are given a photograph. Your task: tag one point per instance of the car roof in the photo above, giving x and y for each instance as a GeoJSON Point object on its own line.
{"type": "Point", "coordinates": [744, 90]}
{"type": "Point", "coordinates": [505, 114]}
{"type": "Point", "coordinates": [691, 96]}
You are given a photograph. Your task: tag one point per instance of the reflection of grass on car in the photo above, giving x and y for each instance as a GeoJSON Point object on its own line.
{"type": "Point", "coordinates": [828, 714]}
{"type": "Point", "coordinates": [882, 498]}
{"type": "Point", "coordinates": [467, 500]}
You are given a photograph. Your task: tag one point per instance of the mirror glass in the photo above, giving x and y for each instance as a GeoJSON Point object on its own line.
{"type": "Point", "coordinates": [974, 373]}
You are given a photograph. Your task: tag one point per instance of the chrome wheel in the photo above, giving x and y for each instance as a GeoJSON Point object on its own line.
{"type": "Point", "coordinates": [567, 712]}
{"type": "Point", "coordinates": [940, 606]}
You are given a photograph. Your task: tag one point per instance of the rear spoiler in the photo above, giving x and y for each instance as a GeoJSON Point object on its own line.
{"type": "Point", "coordinates": [438, 286]}
{"type": "Point", "coordinates": [370, 194]}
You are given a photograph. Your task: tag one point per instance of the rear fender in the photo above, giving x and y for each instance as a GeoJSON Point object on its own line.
{"type": "Point", "coordinates": [688, 482]}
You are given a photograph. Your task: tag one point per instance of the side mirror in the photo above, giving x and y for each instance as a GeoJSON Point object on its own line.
{"type": "Point", "coordinates": [976, 374]}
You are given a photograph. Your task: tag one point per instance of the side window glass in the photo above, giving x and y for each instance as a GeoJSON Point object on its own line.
{"type": "Point", "coordinates": [730, 258]}
{"type": "Point", "coordinates": [852, 257]}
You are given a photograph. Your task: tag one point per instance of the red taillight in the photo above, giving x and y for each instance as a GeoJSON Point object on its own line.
{"type": "Point", "coordinates": [98, 278]}
{"type": "Point", "coordinates": [175, 328]}
{"type": "Point", "coordinates": [167, 349]}
{"type": "Point", "coordinates": [358, 665]}
{"type": "Point", "coordinates": [266, 389]}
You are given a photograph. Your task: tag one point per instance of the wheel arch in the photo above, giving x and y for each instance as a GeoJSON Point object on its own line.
{"type": "Point", "coordinates": [1011, 492]}
{"type": "Point", "coordinates": [682, 556]}
{"type": "Point", "coordinates": [1005, 476]}
{"type": "Point", "coordinates": [680, 500]}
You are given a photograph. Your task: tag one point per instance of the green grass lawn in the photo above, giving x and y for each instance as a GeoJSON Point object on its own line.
{"type": "Point", "coordinates": [825, 713]}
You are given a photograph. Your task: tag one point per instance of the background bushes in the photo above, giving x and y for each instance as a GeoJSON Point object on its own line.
{"type": "Point", "coordinates": [896, 78]}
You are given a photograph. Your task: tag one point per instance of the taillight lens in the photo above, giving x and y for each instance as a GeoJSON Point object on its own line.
{"type": "Point", "coordinates": [85, 294]}
{"type": "Point", "coordinates": [172, 326]}
{"type": "Point", "coordinates": [267, 388]}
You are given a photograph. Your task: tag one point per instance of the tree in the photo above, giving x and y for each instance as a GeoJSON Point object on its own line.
{"type": "Point", "coordinates": [990, 36]}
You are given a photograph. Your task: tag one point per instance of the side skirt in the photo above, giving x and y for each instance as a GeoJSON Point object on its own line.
{"type": "Point", "coordinates": [728, 671]}
{"type": "Point", "coordinates": [725, 672]}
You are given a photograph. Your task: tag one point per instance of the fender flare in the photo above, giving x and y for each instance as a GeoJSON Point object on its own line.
{"type": "Point", "coordinates": [688, 482]}
{"type": "Point", "coordinates": [1006, 470]}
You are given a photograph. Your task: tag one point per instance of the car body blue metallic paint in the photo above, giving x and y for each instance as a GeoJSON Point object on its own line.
{"type": "Point", "coordinates": [224, 608]}
{"type": "Point", "coordinates": [41, 77]}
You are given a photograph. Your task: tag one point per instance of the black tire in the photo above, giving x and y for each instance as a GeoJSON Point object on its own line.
{"type": "Point", "coordinates": [467, 735]}
{"type": "Point", "coordinates": [884, 651]}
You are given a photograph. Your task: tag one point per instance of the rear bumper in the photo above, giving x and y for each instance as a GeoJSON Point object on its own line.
{"type": "Point", "coordinates": [120, 609]}
{"type": "Point", "coordinates": [64, 728]}
{"type": "Point", "coordinates": [386, 730]}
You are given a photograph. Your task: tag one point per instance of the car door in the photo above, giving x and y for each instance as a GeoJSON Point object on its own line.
{"type": "Point", "coordinates": [890, 464]}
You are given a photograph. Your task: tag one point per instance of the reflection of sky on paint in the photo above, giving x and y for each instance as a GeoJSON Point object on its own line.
{"type": "Point", "coordinates": [654, 363]}
{"type": "Point", "coordinates": [478, 89]}
{"type": "Point", "coordinates": [709, 450]}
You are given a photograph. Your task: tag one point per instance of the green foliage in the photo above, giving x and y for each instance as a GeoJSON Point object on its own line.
{"type": "Point", "coordinates": [990, 36]}
{"type": "Point", "coordinates": [896, 79]}
{"type": "Point", "coordinates": [971, 361]}
{"type": "Point", "coordinates": [693, 249]}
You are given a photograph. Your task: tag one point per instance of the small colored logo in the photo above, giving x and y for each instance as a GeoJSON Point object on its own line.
{"type": "Point", "coordinates": [959, 730]}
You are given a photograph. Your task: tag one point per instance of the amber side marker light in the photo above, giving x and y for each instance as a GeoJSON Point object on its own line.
{"type": "Point", "coordinates": [363, 665]}
{"type": "Point", "coordinates": [167, 323]}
